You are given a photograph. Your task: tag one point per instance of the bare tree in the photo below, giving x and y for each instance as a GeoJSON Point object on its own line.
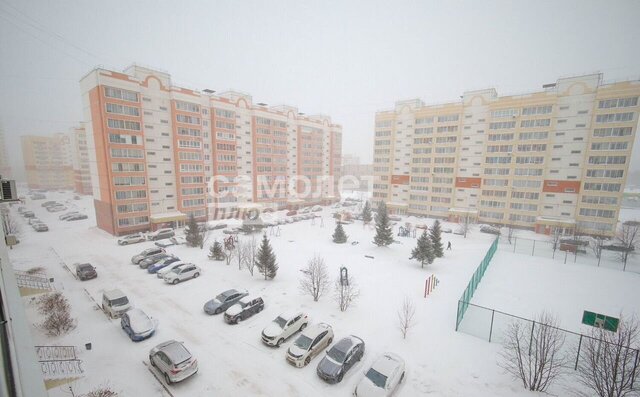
{"type": "Point", "coordinates": [405, 316]}
{"type": "Point", "coordinates": [628, 237]}
{"type": "Point", "coordinates": [315, 278]}
{"type": "Point", "coordinates": [346, 292]}
{"type": "Point", "coordinates": [252, 250]}
{"type": "Point", "coordinates": [511, 232]}
{"type": "Point", "coordinates": [242, 252]}
{"type": "Point", "coordinates": [608, 363]}
{"type": "Point", "coordinates": [229, 253]}
{"type": "Point", "coordinates": [464, 225]}
{"type": "Point", "coordinates": [57, 311]}
{"type": "Point", "coordinates": [596, 244]}
{"type": "Point", "coordinates": [9, 224]}
{"type": "Point", "coordinates": [555, 237]}
{"type": "Point", "coordinates": [533, 352]}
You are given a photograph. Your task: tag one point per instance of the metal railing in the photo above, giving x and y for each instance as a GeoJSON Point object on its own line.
{"type": "Point", "coordinates": [59, 362]}
{"type": "Point", "coordinates": [35, 281]}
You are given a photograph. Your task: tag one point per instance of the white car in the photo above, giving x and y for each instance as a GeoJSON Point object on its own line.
{"type": "Point", "coordinates": [309, 343]}
{"type": "Point", "coordinates": [182, 273]}
{"type": "Point", "coordinates": [131, 239]}
{"type": "Point", "coordinates": [177, 240]}
{"type": "Point", "coordinates": [57, 208]}
{"type": "Point", "coordinates": [174, 361]}
{"type": "Point", "coordinates": [165, 270]}
{"type": "Point", "coordinates": [284, 326]}
{"type": "Point", "coordinates": [160, 234]}
{"type": "Point", "coordinates": [383, 378]}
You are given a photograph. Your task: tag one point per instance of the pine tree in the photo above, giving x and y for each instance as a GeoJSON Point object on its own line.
{"type": "Point", "coordinates": [193, 234]}
{"type": "Point", "coordinates": [339, 236]}
{"type": "Point", "coordinates": [366, 213]}
{"type": "Point", "coordinates": [215, 251]}
{"type": "Point", "coordinates": [436, 239]}
{"type": "Point", "coordinates": [423, 250]}
{"type": "Point", "coordinates": [384, 235]}
{"type": "Point", "coordinates": [266, 262]}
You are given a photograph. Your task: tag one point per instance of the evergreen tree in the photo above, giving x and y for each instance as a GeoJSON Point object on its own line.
{"type": "Point", "coordinates": [266, 262]}
{"type": "Point", "coordinates": [193, 234]}
{"type": "Point", "coordinates": [423, 250]}
{"type": "Point", "coordinates": [366, 213]}
{"type": "Point", "coordinates": [384, 235]}
{"type": "Point", "coordinates": [339, 236]}
{"type": "Point", "coordinates": [215, 251]}
{"type": "Point", "coordinates": [436, 239]}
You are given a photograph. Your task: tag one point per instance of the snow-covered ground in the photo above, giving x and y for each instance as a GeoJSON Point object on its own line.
{"type": "Point", "coordinates": [233, 360]}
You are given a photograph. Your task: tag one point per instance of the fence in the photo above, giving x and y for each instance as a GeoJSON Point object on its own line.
{"type": "Point", "coordinates": [475, 280]}
{"type": "Point", "coordinates": [59, 362]}
{"type": "Point", "coordinates": [570, 253]}
{"type": "Point", "coordinates": [494, 326]}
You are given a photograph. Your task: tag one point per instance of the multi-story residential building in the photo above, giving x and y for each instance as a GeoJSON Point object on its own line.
{"type": "Point", "coordinates": [48, 161]}
{"type": "Point", "coordinates": [80, 159]}
{"type": "Point", "coordinates": [557, 158]}
{"type": "Point", "coordinates": [159, 153]}
{"type": "Point", "coordinates": [5, 168]}
{"type": "Point", "coordinates": [356, 176]}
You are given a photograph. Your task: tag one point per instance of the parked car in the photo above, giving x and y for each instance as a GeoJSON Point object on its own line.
{"type": "Point", "coordinates": [48, 204]}
{"type": "Point", "coordinates": [160, 273]}
{"type": "Point", "coordinates": [177, 240]}
{"type": "Point", "coordinates": [137, 325]}
{"type": "Point", "coordinates": [40, 227]}
{"type": "Point", "coordinates": [224, 301]}
{"type": "Point", "coordinates": [395, 218]}
{"type": "Point", "coordinates": [115, 303]}
{"type": "Point", "coordinates": [136, 259]}
{"type": "Point", "coordinates": [28, 214]}
{"type": "Point", "coordinates": [57, 208]}
{"type": "Point", "coordinates": [292, 213]}
{"type": "Point", "coordinates": [160, 234]}
{"type": "Point", "coordinates": [309, 344]}
{"type": "Point", "coordinates": [162, 263]}
{"type": "Point", "coordinates": [284, 326]}
{"type": "Point", "coordinates": [131, 239]}
{"type": "Point", "coordinates": [305, 210]}
{"type": "Point", "coordinates": [32, 221]}
{"type": "Point", "coordinates": [382, 379]}
{"type": "Point", "coordinates": [182, 273]}
{"type": "Point", "coordinates": [316, 208]}
{"type": "Point", "coordinates": [150, 260]}
{"type": "Point", "coordinates": [446, 230]}
{"type": "Point", "coordinates": [336, 205]}
{"type": "Point", "coordinates": [489, 229]}
{"type": "Point", "coordinates": [173, 360]}
{"type": "Point", "coordinates": [77, 217]}
{"type": "Point", "coordinates": [85, 271]}
{"type": "Point", "coordinates": [38, 196]}
{"type": "Point", "coordinates": [64, 217]}
{"type": "Point", "coordinates": [21, 210]}
{"type": "Point", "coordinates": [342, 356]}
{"type": "Point", "coordinates": [218, 226]}
{"type": "Point", "coordinates": [245, 308]}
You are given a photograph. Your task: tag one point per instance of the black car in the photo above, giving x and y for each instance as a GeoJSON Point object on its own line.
{"type": "Point", "coordinates": [151, 260]}
{"type": "Point", "coordinates": [245, 308]}
{"type": "Point", "coordinates": [85, 271]}
{"type": "Point", "coordinates": [340, 359]}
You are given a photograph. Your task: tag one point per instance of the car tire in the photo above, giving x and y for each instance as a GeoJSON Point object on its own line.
{"type": "Point", "coordinates": [196, 275]}
{"type": "Point", "coordinates": [401, 378]}
{"type": "Point", "coordinates": [167, 379]}
{"type": "Point", "coordinates": [339, 379]}
{"type": "Point", "coordinates": [151, 361]}
{"type": "Point", "coordinates": [302, 327]}
{"type": "Point", "coordinates": [329, 342]}
{"type": "Point", "coordinates": [307, 360]}
{"type": "Point", "coordinates": [279, 342]}
{"type": "Point", "coordinates": [174, 282]}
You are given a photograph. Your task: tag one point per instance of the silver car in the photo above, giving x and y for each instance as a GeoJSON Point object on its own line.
{"type": "Point", "coordinates": [132, 239]}
{"type": "Point", "coordinates": [174, 361]}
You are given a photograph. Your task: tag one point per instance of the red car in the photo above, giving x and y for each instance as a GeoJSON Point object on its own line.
{"type": "Point", "coordinates": [292, 213]}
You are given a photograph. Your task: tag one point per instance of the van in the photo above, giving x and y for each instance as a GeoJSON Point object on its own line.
{"type": "Point", "coordinates": [115, 303]}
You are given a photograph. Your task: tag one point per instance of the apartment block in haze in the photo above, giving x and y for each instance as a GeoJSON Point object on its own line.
{"type": "Point", "coordinates": [80, 160]}
{"type": "Point", "coordinates": [159, 153]}
{"type": "Point", "coordinates": [5, 168]}
{"type": "Point", "coordinates": [48, 161]}
{"type": "Point", "coordinates": [556, 158]}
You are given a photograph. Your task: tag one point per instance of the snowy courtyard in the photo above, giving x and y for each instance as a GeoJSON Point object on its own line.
{"type": "Point", "coordinates": [232, 359]}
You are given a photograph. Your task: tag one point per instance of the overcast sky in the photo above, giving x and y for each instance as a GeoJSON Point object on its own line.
{"type": "Point", "coordinates": [346, 59]}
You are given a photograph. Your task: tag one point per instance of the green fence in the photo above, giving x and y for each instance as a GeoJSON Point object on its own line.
{"type": "Point", "coordinates": [463, 303]}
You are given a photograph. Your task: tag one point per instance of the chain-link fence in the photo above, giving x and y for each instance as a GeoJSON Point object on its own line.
{"type": "Point", "coordinates": [495, 326]}
{"type": "Point", "coordinates": [475, 280]}
{"type": "Point", "coordinates": [583, 253]}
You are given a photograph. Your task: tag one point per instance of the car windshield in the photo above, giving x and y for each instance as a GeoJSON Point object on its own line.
{"type": "Point", "coordinates": [222, 297]}
{"type": "Point", "coordinates": [303, 342]}
{"type": "Point", "coordinates": [280, 321]}
{"type": "Point", "coordinates": [336, 355]}
{"type": "Point", "coordinates": [86, 266]}
{"type": "Point", "coordinates": [376, 377]}
{"type": "Point", "coordinates": [120, 301]}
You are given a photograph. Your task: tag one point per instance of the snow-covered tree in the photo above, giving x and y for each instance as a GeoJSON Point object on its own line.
{"type": "Point", "coordinates": [215, 251]}
{"type": "Point", "coordinates": [384, 235]}
{"type": "Point", "coordinates": [339, 236]}
{"type": "Point", "coordinates": [266, 259]}
{"type": "Point", "coordinates": [315, 278]}
{"type": "Point", "coordinates": [366, 213]}
{"type": "Point", "coordinates": [423, 251]}
{"type": "Point", "coordinates": [193, 234]}
{"type": "Point", "coordinates": [436, 239]}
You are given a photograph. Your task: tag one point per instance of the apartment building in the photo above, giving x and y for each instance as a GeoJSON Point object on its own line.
{"type": "Point", "coordinates": [48, 161]}
{"type": "Point", "coordinates": [80, 160]}
{"type": "Point", "coordinates": [5, 168]}
{"type": "Point", "coordinates": [159, 153]}
{"type": "Point", "coordinates": [556, 158]}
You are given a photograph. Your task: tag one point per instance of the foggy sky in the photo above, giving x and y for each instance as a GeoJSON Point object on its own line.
{"type": "Point", "coordinates": [346, 59]}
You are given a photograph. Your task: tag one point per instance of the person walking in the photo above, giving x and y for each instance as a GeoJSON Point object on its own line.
{"type": "Point", "coordinates": [448, 245]}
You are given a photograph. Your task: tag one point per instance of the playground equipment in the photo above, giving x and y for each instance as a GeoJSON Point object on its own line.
{"type": "Point", "coordinates": [230, 242]}
{"type": "Point", "coordinates": [405, 231]}
{"type": "Point", "coordinates": [430, 285]}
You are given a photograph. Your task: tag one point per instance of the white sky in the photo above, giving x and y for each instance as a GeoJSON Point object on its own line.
{"type": "Point", "coordinates": [346, 59]}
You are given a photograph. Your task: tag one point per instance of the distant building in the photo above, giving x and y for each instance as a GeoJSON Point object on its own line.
{"type": "Point", "coordinates": [353, 170]}
{"type": "Point", "coordinates": [80, 159]}
{"type": "Point", "coordinates": [48, 161]}
{"type": "Point", "coordinates": [553, 159]}
{"type": "Point", "coordinates": [159, 153]}
{"type": "Point", "coordinates": [5, 168]}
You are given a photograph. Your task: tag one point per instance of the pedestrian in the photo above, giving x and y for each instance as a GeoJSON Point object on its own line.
{"type": "Point", "coordinates": [449, 245]}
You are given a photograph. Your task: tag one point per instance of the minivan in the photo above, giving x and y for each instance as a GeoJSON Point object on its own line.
{"type": "Point", "coordinates": [115, 303]}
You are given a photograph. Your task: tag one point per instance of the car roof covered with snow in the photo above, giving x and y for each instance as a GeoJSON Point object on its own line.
{"type": "Point", "coordinates": [386, 363]}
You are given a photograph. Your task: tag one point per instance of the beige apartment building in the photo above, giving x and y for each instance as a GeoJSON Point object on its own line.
{"type": "Point", "coordinates": [48, 161]}
{"type": "Point", "coordinates": [80, 160]}
{"type": "Point", "coordinates": [556, 158]}
{"type": "Point", "coordinates": [5, 168]}
{"type": "Point", "coordinates": [159, 153]}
